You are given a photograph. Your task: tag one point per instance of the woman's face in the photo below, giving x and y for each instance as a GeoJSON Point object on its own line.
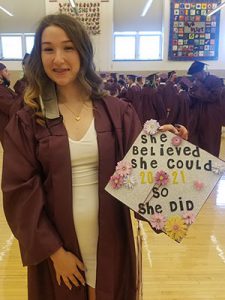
{"type": "Point", "coordinates": [4, 74]}
{"type": "Point", "coordinates": [59, 56]}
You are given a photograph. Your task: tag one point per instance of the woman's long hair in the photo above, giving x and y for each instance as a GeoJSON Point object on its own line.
{"type": "Point", "coordinates": [87, 76]}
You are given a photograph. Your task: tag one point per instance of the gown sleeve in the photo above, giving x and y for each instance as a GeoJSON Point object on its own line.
{"type": "Point", "coordinates": [24, 196]}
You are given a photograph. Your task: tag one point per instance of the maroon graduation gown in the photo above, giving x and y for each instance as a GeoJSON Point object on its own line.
{"type": "Point", "coordinates": [37, 195]}
{"type": "Point", "coordinates": [175, 108]}
{"type": "Point", "coordinates": [184, 114]}
{"type": "Point", "coordinates": [205, 115]}
{"type": "Point", "coordinates": [20, 86]}
{"type": "Point", "coordinates": [133, 96]}
{"type": "Point", "coordinates": [152, 106]}
{"type": "Point", "coordinates": [9, 103]}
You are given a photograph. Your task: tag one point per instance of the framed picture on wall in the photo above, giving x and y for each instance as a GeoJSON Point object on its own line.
{"type": "Point", "coordinates": [193, 35]}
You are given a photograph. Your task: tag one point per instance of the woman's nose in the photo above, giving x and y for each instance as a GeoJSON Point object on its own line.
{"type": "Point", "coordinates": [58, 58]}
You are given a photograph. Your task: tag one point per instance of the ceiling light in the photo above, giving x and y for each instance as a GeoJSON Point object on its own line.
{"type": "Point", "coordinates": [216, 10]}
{"type": "Point", "coordinates": [146, 8]}
{"type": "Point", "coordinates": [6, 11]}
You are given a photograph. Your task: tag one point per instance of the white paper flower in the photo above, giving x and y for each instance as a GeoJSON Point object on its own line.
{"type": "Point", "coordinates": [151, 127]}
{"type": "Point", "coordinates": [129, 181]}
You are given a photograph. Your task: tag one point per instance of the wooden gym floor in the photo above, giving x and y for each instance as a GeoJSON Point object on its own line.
{"type": "Point", "coordinates": [192, 270]}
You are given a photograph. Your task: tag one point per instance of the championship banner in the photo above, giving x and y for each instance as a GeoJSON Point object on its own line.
{"type": "Point", "coordinates": [165, 179]}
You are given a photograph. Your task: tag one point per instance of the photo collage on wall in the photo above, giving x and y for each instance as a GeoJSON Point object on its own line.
{"type": "Point", "coordinates": [88, 12]}
{"type": "Point", "coordinates": [193, 35]}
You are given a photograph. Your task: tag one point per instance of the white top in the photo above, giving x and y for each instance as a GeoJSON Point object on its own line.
{"type": "Point", "coordinates": [84, 161]}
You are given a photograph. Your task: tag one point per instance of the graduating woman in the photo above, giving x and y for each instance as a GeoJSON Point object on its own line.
{"type": "Point", "coordinates": [75, 238]}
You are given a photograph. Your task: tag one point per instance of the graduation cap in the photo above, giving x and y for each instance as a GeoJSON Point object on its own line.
{"type": "Point", "coordinates": [151, 77]}
{"type": "Point", "coordinates": [122, 76]}
{"type": "Point", "coordinates": [122, 82]}
{"type": "Point", "coordinates": [132, 77]}
{"type": "Point", "coordinates": [2, 67]}
{"type": "Point", "coordinates": [114, 75]}
{"type": "Point", "coordinates": [196, 66]}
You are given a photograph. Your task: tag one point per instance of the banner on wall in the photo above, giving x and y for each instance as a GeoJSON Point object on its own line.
{"type": "Point", "coordinates": [165, 179]}
{"type": "Point", "coordinates": [88, 12]}
{"type": "Point", "coordinates": [193, 35]}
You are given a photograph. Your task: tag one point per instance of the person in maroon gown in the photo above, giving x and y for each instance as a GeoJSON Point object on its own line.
{"type": "Point", "coordinates": [151, 103]}
{"type": "Point", "coordinates": [20, 85]}
{"type": "Point", "coordinates": [183, 87]}
{"type": "Point", "coordinates": [205, 109]}
{"type": "Point", "coordinates": [133, 92]}
{"type": "Point", "coordinates": [176, 112]}
{"type": "Point", "coordinates": [9, 101]}
{"type": "Point", "coordinates": [123, 89]}
{"type": "Point", "coordinates": [63, 97]}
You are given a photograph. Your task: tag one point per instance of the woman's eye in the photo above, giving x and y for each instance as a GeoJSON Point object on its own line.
{"type": "Point", "coordinates": [47, 49]}
{"type": "Point", "coordinates": [69, 48]}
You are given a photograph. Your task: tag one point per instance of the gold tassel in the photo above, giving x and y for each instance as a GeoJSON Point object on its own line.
{"type": "Point", "coordinates": [139, 284]}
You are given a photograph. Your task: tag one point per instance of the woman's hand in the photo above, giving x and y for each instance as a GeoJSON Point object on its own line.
{"type": "Point", "coordinates": [177, 129]}
{"type": "Point", "coordinates": [67, 267]}
{"type": "Point", "coordinates": [182, 131]}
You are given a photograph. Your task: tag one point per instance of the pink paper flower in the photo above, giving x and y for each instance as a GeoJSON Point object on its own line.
{"type": "Point", "coordinates": [116, 181]}
{"type": "Point", "coordinates": [176, 140]}
{"type": "Point", "coordinates": [158, 221]}
{"type": "Point", "coordinates": [198, 185]}
{"type": "Point", "coordinates": [161, 178]}
{"type": "Point", "coordinates": [189, 217]}
{"type": "Point", "coordinates": [151, 127]}
{"type": "Point", "coordinates": [123, 168]}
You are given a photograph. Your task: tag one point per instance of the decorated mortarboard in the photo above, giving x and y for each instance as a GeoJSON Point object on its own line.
{"type": "Point", "coordinates": [196, 66]}
{"type": "Point", "coordinates": [165, 179]}
{"type": "Point", "coordinates": [2, 66]}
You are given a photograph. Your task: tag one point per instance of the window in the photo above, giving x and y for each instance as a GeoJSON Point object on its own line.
{"type": "Point", "coordinates": [11, 47]}
{"type": "Point", "coordinates": [150, 47]}
{"type": "Point", "coordinates": [137, 36]}
{"type": "Point", "coordinates": [137, 46]}
{"type": "Point", "coordinates": [29, 42]}
{"type": "Point", "coordinates": [124, 47]}
{"type": "Point", "coordinates": [14, 46]}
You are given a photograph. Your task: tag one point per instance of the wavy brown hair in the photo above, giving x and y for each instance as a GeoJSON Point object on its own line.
{"type": "Point", "coordinates": [87, 76]}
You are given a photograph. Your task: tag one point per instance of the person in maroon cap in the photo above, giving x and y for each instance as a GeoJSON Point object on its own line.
{"type": "Point", "coordinates": [7, 99]}
{"type": "Point", "coordinates": [205, 109]}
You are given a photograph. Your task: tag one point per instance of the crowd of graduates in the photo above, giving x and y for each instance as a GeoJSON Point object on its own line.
{"type": "Point", "coordinates": [196, 101]}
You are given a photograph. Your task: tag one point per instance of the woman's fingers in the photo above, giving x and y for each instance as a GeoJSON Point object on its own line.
{"type": "Point", "coordinates": [58, 278]}
{"type": "Point", "coordinates": [74, 280]}
{"type": "Point", "coordinates": [80, 277]}
{"type": "Point", "coordinates": [67, 282]}
{"type": "Point", "coordinates": [80, 265]}
{"type": "Point", "coordinates": [168, 127]}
